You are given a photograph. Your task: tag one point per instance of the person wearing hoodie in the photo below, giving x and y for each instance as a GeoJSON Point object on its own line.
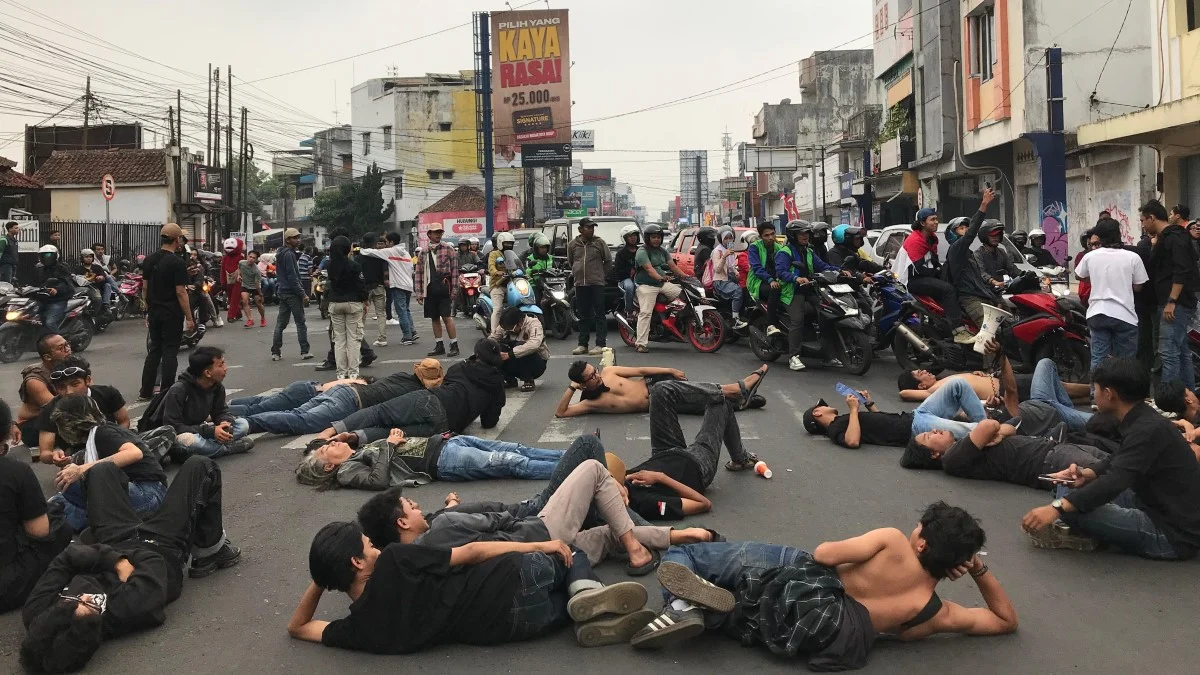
{"type": "Point", "coordinates": [963, 268]}
{"type": "Point", "coordinates": [231, 278]}
{"type": "Point", "coordinates": [195, 408]}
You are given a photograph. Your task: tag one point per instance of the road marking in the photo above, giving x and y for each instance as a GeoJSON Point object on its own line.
{"type": "Point", "coordinates": [566, 430]}
{"type": "Point", "coordinates": [797, 409]}
{"type": "Point", "coordinates": [507, 414]}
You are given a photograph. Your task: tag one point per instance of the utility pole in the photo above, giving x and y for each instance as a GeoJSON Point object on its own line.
{"type": "Point", "coordinates": [812, 178]}
{"type": "Point", "coordinates": [241, 202]}
{"type": "Point", "coordinates": [208, 121]}
{"type": "Point", "coordinates": [699, 193]}
{"type": "Point", "coordinates": [216, 156]}
{"type": "Point", "coordinates": [226, 194]}
{"type": "Point", "coordinates": [87, 108]}
{"type": "Point", "coordinates": [175, 156]}
{"type": "Point", "coordinates": [484, 58]}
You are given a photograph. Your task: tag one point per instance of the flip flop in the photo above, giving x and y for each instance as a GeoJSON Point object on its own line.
{"type": "Point", "coordinates": [526, 386]}
{"type": "Point", "coordinates": [748, 394]}
{"type": "Point", "coordinates": [655, 559]}
{"type": "Point", "coordinates": [751, 460]}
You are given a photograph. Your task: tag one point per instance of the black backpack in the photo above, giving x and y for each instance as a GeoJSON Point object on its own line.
{"type": "Point", "coordinates": [152, 417]}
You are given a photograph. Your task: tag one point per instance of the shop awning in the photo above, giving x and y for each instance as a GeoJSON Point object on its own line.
{"type": "Point", "coordinates": [1176, 124]}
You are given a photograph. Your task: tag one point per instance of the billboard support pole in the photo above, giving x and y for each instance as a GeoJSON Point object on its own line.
{"type": "Point", "coordinates": [483, 97]}
{"type": "Point", "coordinates": [699, 194]}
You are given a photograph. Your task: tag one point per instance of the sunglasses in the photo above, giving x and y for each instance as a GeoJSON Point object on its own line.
{"type": "Point", "coordinates": [97, 602]}
{"type": "Point", "coordinates": [72, 371]}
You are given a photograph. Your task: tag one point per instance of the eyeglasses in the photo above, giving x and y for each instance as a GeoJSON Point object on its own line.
{"type": "Point", "coordinates": [71, 371]}
{"type": "Point", "coordinates": [97, 602]}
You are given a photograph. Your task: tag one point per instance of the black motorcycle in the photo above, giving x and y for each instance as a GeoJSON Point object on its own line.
{"type": "Point", "coordinates": [839, 303]}
{"type": "Point", "coordinates": [557, 315]}
{"type": "Point", "coordinates": [23, 324]}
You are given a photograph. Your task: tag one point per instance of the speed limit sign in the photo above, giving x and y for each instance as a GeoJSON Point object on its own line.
{"type": "Point", "coordinates": [108, 187]}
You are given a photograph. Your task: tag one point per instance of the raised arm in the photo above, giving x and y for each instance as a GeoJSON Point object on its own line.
{"type": "Point", "coordinates": [998, 618]}
{"type": "Point", "coordinates": [565, 409]}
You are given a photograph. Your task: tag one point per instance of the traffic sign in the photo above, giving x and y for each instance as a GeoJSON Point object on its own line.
{"type": "Point", "coordinates": [108, 187]}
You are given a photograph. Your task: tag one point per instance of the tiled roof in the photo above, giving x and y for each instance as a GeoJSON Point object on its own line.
{"type": "Point", "coordinates": [87, 167]}
{"type": "Point", "coordinates": [463, 198]}
{"type": "Point", "coordinates": [15, 179]}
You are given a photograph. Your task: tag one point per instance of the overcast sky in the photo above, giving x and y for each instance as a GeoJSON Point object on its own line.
{"type": "Point", "coordinates": [628, 54]}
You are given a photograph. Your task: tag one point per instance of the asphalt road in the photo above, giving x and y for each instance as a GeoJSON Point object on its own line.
{"type": "Point", "coordinates": [1081, 612]}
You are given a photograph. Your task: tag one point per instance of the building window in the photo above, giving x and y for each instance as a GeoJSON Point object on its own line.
{"type": "Point", "coordinates": [347, 164]}
{"type": "Point", "coordinates": [398, 182]}
{"type": "Point", "coordinates": [1193, 14]}
{"type": "Point", "coordinates": [433, 174]}
{"type": "Point", "coordinates": [983, 43]}
{"type": "Point", "coordinates": [366, 142]}
{"type": "Point", "coordinates": [444, 126]}
{"type": "Point", "coordinates": [447, 174]}
{"type": "Point", "coordinates": [387, 138]}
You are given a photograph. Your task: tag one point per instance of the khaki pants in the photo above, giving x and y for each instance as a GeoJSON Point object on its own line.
{"type": "Point", "coordinates": [567, 508]}
{"type": "Point", "coordinates": [347, 320]}
{"type": "Point", "coordinates": [646, 296]}
{"type": "Point", "coordinates": [377, 298]}
{"type": "Point", "coordinates": [973, 308]}
{"type": "Point", "coordinates": [498, 296]}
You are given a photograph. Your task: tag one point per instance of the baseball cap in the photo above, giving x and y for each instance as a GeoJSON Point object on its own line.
{"type": "Point", "coordinates": [171, 230]}
{"type": "Point", "coordinates": [810, 423]}
{"type": "Point", "coordinates": [291, 232]}
{"type": "Point", "coordinates": [586, 222]}
{"type": "Point", "coordinates": [435, 227]}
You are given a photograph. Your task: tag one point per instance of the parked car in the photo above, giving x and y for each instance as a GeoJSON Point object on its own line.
{"type": "Point", "coordinates": [891, 240]}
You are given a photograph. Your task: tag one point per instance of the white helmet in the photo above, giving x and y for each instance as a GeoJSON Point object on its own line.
{"type": "Point", "coordinates": [86, 252]}
{"type": "Point", "coordinates": [749, 237]}
{"type": "Point", "coordinates": [1037, 233]}
{"type": "Point", "coordinates": [473, 241]}
{"type": "Point", "coordinates": [505, 238]}
{"type": "Point", "coordinates": [230, 244]}
{"type": "Point", "coordinates": [630, 229]}
{"type": "Point", "coordinates": [48, 248]}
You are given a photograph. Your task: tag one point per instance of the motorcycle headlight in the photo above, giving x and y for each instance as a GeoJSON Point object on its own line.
{"type": "Point", "coordinates": [558, 295]}
{"type": "Point", "coordinates": [12, 316]}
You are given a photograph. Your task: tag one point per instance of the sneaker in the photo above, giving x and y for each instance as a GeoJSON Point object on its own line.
{"type": "Point", "coordinates": [263, 323]}
{"type": "Point", "coordinates": [1059, 535]}
{"type": "Point", "coordinates": [250, 323]}
{"type": "Point", "coordinates": [612, 629]}
{"type": "Point", "coordinates": [408, 341]}
{"type": "Point", "coordinates": [773, 330]}
{"type": "Point", "coordinates": [832, 363]}
{"type": "Point", "coordinates": [685, 584]}
{"type": "Point", "coordinates": [374, 318]}
{"type": "Point", "coordinates": [220, 323]}
{"type": "Point", "coordinates": [241, 446]}
{"type": "Point", "coordinates": [796, 364]}
{"type": "Point", "coordinates": [739, 324]}
{"type": "Point", "coordinates": [325, 366]}
{"type": "Point", "coordinates": [380, 343]}
{"type": "Point", "coordinates": [393, 322]}
{"type": "Point", "coordinates": [439, 350]}
{"type": "Point", "coordinates": [367, 360]}
{"type": "Point", "coordinates": [596, 351]}
{"type": "Point", "coordinates": [620, 598]}
{"type": "Point", "coordinates": [671, 626]}
{"type": "Point", "coordinates": [580, 350]}
{"type": "Point", "coordinates": [963, 336]}
{"type": "Point", "coordinates": [306, 356]}
{"type": "Point", "coordinates": [228, 556]}
{"type": "Point", "coordinates": [277, 357]}
{"type": "Point", "coordinates": [453, 349]}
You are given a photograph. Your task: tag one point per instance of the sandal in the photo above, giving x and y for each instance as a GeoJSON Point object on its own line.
{"type": "Point", "coordinates": [716, 536]}
{"type": "Point", "coordinates": [642, 349]}
{"type": "Point", "coordinates": [655, 559]}
{"type": "Point", "coordinates": [527, 385]}
{"type": "Point", "coordinates": [751, 460]}
{"type": "Point", "coordinates": [748, 394]}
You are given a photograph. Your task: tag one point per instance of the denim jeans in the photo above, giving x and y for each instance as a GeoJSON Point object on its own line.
{"type": "Point", "coordinates": [1173, 347]}
{"type": "Point", "coordinates": [1124, 523]}
{"type": "Point", "coordinates": [470, 458]}
{"type": "Point", "coordinates": [540, 605]}
{"type": "Point", "coordinates": [144, 496]}
{"type": "Point", "coordinates": [293, 396]}
{"type": "Point", "coordinates": [399, 300]}
{"type": "Point", "coordinates": [721, 563]}
{"type": "Point", "coordinates": [630, 290]}
{"type": "Point", "coordinates": [938, 411]}
{"type": "Point", "coordinates": [290, 306]}
{"type": "Point", "coordinates": [1046, 386]}
{"type": "Point", "coordinates": [1111, 337]}
{"type": "Point", "coordinates": [53, 314]}
{"type": "Point", "coordinates": [731, 291]}
{"type": "Point", "coordinates": [312, 417]}
{"type": "Point", "coordinates": [195, 444]}
{"type": "Point", "coordinates": [108, 289]}
{"type": "Point", "coordinates": [668, 399]}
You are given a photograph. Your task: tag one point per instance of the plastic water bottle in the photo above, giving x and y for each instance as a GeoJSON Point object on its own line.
{"type": "Point", "coordinates": [607, 357]}
{"type": "Point", "coordinates": [762, 469]}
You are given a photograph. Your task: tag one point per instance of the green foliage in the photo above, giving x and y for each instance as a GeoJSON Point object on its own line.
{"type": "Point", "coordinates": [261, 187]}
{"type": "Point", "coordinates": [897, 124]}
{"type": "Point", "coordinates": [357, 206]}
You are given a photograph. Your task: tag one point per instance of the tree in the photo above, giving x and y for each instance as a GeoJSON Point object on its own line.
{"type": "Point", "coordinates": [261, 187]}
{"type": "Point", "coordinates": [357, 206]}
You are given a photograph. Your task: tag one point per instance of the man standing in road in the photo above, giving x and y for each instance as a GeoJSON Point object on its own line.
{"type": "Point", "coordinates": [400, 283]}
{"type": "Point", "coordinates": [436, 274]}
{"type": "Point", "coordinates": [1116, 274]}
{"type": "Point", "coordinates": [1176, 280]}
{"type": "Point", "coordinates": [374, 272]}
{"type": "Point", "coordinates": [9, 248]}
{"type": "Point", "coordinates": [292, 296]}
{"type": "Point", "coordinates": [590, 261]}
{"type": "Point", "coordinates": [167, 310]}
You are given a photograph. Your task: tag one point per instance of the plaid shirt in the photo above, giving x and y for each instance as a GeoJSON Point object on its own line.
{"type": "Point", "coordinates": [792, 610]}
{"type": "Point", "coordinates": [447, 267]}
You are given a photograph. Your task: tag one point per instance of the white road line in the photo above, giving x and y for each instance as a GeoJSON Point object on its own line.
{"type": "Point", "coordinates": [560, 430]}
{"type": "Point", "coordinates": [797, 409]}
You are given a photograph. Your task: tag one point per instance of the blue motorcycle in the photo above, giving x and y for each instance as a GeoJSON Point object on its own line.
{"type": "Point", "coordinates": [519, 294]}
{"type": "Point", "coordinates": [890, 305]}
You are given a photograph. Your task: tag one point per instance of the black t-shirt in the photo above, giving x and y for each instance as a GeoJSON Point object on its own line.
{"type": "Point", "coordinates": [659, 502]}
{"type": "Point", "coordinates": [164, 271]}
{"type": "Point", "coordinates": [107, 398]}
{"type": "Point", "coordinates": [1016, 459]}
{"type": "Point", "coordinates": [875, 428]}
{"type": "Point", "coordinates": [415, 599]}
{"type": "Point", "coordinates": [21, 499]}
{"type": "Point", "coordinates": [110, 438]}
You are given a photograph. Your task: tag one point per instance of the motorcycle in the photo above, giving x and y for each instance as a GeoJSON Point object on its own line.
{"type": "Point", "coordinates": [687, 318]}
{"type": "Point", "coordinates": [192, 338]}
{"type": "Point", "coordinates": [889, 302]}
{"type": "Point", "coordinates": [839, 302]}
{"type": "Point", "coordinates": [130, 292]}
{"type": "Point", "coordinates": [7, 292]}
{"type": "Point", "coordinates": [320, 287]}
{"type": "Point", "coordinates": [1043, 326]}
{"type": "Point", "coordinates": [101, 316]}
{"type": "Point", "coordinates": [519, 294]}
{"type": "Point", "coordinates": [557, 317]}
{"type": "Point", "coordinates": [23, 324]}
{"type": "Point", "coordinates": [468, 289]}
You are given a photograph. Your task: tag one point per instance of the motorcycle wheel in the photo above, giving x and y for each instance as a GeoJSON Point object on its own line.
{"type": "Point", "coordinates": [629, 337]}
{"type": "Point", "coordinates": [709, 335]}
{"type": "Point", "coordinates": [1073, 358]}
{"type": "Point", "coordinates": [560, 327]}
{"type": "Point", "coordinates": [909, 358]}
{"type": "Point", "coordinates": [758, 345]}
{"type": "Point", "coordinates": [81, 335]}
{"type": "Point", "coordinates": [858, 352]}
{"type": "Point", "coordinates": [11, 340]}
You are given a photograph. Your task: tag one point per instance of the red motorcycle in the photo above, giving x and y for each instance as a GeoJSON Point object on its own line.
{"type": "Point", "coordinates": [687, 318]}
{"type": "Point", "coordinates": [129, 296]}
{"type": "Point", "coordinates": [1042, 327]}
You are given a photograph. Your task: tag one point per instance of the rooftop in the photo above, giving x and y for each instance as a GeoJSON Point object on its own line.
{"type": "Point", "coordinates": [87, 167]}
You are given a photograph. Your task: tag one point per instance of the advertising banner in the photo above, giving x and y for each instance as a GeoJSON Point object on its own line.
{"type": "Point", "coordinates": [206, 183]}
{"type": "Point", "coordinates": [531, 77]}
{"type": "Point", "coordinates": [574, 201]}
{"type": "Point", "coordinates": [546, 154]}
{"type": "Point", "coordinates": [583, 140]}
{"type": "Point", "coordinates": [597, 177]}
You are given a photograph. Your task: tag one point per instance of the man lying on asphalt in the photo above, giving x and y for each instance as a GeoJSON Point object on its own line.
{"type": "Point", "coordinates": [829, 606]}
{"type": "Point", "coordinates": [1141, 500]}
{"type": "Point", "coordinates": [855, 428]}
{"type": "Point", "coordinates": [621, 389]}
{"type": "Point", "coordinates": [918, 385]}
{"type": "Point", "coordinates": [306, 408]}
{"type": "Point", "coordinates": [123, 583]}
{"type": "Point", "coordinates": [408, 597]}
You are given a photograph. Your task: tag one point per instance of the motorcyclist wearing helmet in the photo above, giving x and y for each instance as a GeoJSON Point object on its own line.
{"type": "Point", "coordinates": [653, 263]}
{"type": "Point", "coordinates": [53, 276]}
{"type": "Point", "coordinates": [95, 275]}
{"type": "Point", "coordinates": [500, 263]}
{"type": "Point", "coordinates": [1037, 243]}
{"type": "Point", "coordinates": [465, 255]}
{"type": "Point", "coordinates": [918, 266]}
{"type": "Point", "coordinates": [963, 269]}
{"type": "Point", "coordinates": [994, 259]}
{"type": "Point", "coordinates": [623, 268]}
{"type": "Point", "coordinates": [706, 238]}
{"type": "Point", "coordinates": [761, 255]}
{"type": "Point", "coordinates": [819, 240]}
{"type": "Point", "coordinates": [795, 265]}
{"type": "Point", "coordinates": [746, 239]}
{"type": "Point", "coordinates": [725, 275]}
{"type": "Point", "coordinates": [847, 242]}
{"type": "Point", "coordinates": [1021, 240]}
{"type": "Point", "coordinates": [538, 260]}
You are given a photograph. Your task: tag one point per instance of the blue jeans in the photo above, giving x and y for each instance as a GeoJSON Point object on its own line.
{"type": "Point", "coordinates": [938, 411]}
{"type": "Point", "coordinates": [1124, 523]}
{"type": "Point", "coordinates": [290, 306]}
{"type": "Point", "coordinates": [1173, 347]}
{"type": "Point", "coordinates": [1111, 337]}
{"type": "Point", "coordinates": [731, 291]}
{"type": "Point", "coordinates": [312, 417]}
{"type": "Point", "coordinates": [540, 605]}
{"type": "Point", "coordinates": [53, 314]}
{"type": "Point", "coordinates": [108, 289]}
{"type": "Point", "coordinates": [399, 300]}
{"type": "Point", "coordinates": [1047, 387]}
{"type": "Point", "coordinates": [195, 444]}
{"type": "Point", "coordinates": [721, 563]}
{"type": "Point", "coordinates": [294, 395]}
{"type": "Point", "coordinates": [630, 289]}
{"type": "Point", "coordinates": [470, 458]}
{"type": "Point", "coordinates": [144, 497]}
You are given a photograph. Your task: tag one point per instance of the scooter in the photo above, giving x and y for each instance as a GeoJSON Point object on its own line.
{"type": "Point", "coordinates": [23, 324]}
{"type": "Point", "coordinates": [838, 301]}
{"type": "Point", "coordinates": [889, 307]}
{"type": "Point", "coordinates": [7, 292]}
{"type": "Point", "coordinates": [468, 288]}
{"type": "Point", "coordinates": [519, 294]}
{"type": "Point", "coordinates": [130, 292]}
{"type": "Point", "coordinates": [557, 317]}
{"type": "Point", "coordinates": [320, 285]}
{"type": "Point", "coordinates": [688, 318]}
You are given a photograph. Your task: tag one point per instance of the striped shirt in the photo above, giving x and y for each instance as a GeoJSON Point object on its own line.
{"type": "Point", "coordinates": [305, 265]}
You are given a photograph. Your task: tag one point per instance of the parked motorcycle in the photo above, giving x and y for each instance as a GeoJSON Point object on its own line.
{"type": "Point", "coordinates": [7, 292]}
{"type": "Point", "coordinates": [688, 318]}
{"type": "Point", "coordinates": [519, 294]}
{"type": "Point", "coordinates": [193, 337]}
{"type": "Point", "coordinates": [130, 292]}
{"type": "Point", "coordinates": [23, 324]}
{"type": "Point", "coordinates": [557, 317]}
{"type": "Point", "coordinates": [838, 301]}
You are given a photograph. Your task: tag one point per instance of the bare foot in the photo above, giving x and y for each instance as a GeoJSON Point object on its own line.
{"type": "Point", "coordinates": [639, 556]}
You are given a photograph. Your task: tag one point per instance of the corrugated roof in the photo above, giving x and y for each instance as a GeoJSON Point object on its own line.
{"type": "Point", "coordinates": [87, 167]}
{"type": "Point", "coordinates": [463, 198]}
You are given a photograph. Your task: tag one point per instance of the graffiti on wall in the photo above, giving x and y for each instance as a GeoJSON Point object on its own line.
{"type": "Point", "coordinates": [1117, 214]}
{"type": "Point", "coordinates": [1054, 224]}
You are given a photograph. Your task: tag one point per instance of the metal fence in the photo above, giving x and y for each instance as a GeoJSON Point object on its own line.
{"type": "Point", "coordinates": [122, 240]}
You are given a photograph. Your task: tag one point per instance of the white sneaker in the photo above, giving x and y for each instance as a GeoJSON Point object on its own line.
{"type": "Point", "coordinates": [393, 322]}
{"type": "Point", "coordinates": [795, 363]}
{"type": "Point", "coordinates": [739, 324]}
{"type": "Point", "coordinates": [773, 330]}
{"type": "Point", "coordinates": [220, 322]}
{"type": "Point", "coordinates": [380, 343]}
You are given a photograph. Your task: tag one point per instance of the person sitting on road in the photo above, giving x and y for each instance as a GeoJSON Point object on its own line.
{"type": "Point", "coordinates": [524, 354]}
{"type": "Point", "coordinates": [195, 408]}
{"type": "Point", "coordinates": [623, 268]}
{"type": "Point", "coordinates": [473, 389]}
{"type": "Point", "coordinates": [408, 597]}
{"type": "Point", "coordinates": [724, 273]}
{"type": "Point", "coordinates": [963, 268]}
{"type": "Point", "coordinates": [847, 250]}
{"type": "Point", "coordinates": [306, 407]}
{"type": "Point", "coordinates": [1141, 500]}
{"type": "Point", "coordinates": [73, 375]}
{"type": "Point", "coordinates": [761, 257]}
{"type": "Point", "coordinates": [855, 428]}
{"type": "Point", "coordinates": [829, 606]}
{"type": "Point", "coordinates": [410, 462]}
{"type": "Point", "coordinates": [794, 265]}
{"type": "Point", "coordinates": [917, 266]}
{"type": "Point", "coordinates": [624, 389]}
{"type": "Point", "coordinates": [124, 581]}
{"type": "Point", "coordinates": [653, 263]}
{"type": "Point", "coordinates": [29, 540]}
{"type": "Point", "coordinates": [37, 389]}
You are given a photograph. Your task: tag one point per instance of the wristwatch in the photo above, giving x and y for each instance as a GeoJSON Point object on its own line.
{"type": "Point", "coordinates": [1058, 506]}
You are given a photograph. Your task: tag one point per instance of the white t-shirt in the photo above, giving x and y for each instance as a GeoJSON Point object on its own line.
{"type": "Point", "coordinates": [400, 265]}
{"type": "Point", "coordinates": [1113, 273]}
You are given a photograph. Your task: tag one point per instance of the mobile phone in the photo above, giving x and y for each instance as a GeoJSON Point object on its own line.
{"type": "Point", "coordinates": [1056, 481]}
{"type": "Point", "coordinates": [987, 184]}
{"type": "Point", "coordinates": [845, 390]}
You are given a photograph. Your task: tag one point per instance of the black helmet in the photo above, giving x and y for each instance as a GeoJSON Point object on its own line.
{"type": "Point", "coordinates": [991, 226]}
{"type": "Point", "coordinates": [1019, 238]}
{"type": "Point", "coordinates": [707, 236]}
{"type": "Point", "coordinates": [820, 230]}
{"type": "Point", "coordinates": [652, 230]}
{"type": "Point", "coordinates": [797, 227]}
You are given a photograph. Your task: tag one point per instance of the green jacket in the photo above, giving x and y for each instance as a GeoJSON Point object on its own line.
{"type": "Point", "coordinates": [766, 262]}
{"type": "Point", "coordinates": [789, 287]}
{"type": "Point", "coordinates": [535, 266]}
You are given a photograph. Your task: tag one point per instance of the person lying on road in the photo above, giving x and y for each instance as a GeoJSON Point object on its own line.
{"type": "Point", "coordinates": [621, 389]}
{"type": "Point", "coordinates": [918, 385]}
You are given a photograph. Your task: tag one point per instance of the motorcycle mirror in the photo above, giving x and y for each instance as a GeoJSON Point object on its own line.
{"type": "Point", "coordinates": [739, 247]}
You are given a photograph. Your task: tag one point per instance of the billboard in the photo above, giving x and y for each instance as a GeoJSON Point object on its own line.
{"type": "Point", "coordinates": [583, 140]}
{"type": "Point", "coordinates": [600, 177]}
{"type": "Point", "coordinates": [688, 166]}
{"type": "Point", "coordinates": [546, 154]}
{"type": "Point", "coordinates": [206, 183]}
{"type": "Point", "coordinates": [531, 77]}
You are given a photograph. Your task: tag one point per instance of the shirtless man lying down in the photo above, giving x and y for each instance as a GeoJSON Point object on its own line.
{"type": "Point", "coordinates": [622, 389]}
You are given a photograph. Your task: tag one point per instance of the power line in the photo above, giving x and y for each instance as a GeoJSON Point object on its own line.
{"type": "Point", "coordinates": [1116, 37]}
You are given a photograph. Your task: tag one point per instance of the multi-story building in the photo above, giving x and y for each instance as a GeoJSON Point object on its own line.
{"type": "Point", "coordinates": [333, 157]}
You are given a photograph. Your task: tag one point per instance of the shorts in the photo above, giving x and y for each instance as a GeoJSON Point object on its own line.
{"type": "Point", "coordinates": [252, 292]}
{"type": "Point", "coordinates": [437, 302]}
